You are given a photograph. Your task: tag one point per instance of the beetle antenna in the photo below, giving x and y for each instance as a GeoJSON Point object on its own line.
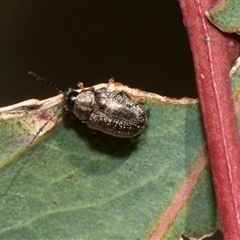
{"type": "Point", "coordinates": [42, 80]}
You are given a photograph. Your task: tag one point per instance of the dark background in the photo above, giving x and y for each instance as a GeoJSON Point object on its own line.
{"type": "Point", "coordinates": [142, 44]}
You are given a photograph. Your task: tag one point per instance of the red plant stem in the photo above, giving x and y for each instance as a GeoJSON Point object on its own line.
{"type": "Point", "coordinates": [213, 54]}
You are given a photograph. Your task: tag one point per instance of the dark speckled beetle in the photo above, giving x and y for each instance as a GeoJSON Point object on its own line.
{"type": "Point", "coordinates": [116, 114]}
{"type": "Point", "coordinates": [113, 113]}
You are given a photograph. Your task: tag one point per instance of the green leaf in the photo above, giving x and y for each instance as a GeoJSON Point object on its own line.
{"type": "Point", "coordinates": [74, 183]}
{"type": "Point", "coordinates": [226, 16]}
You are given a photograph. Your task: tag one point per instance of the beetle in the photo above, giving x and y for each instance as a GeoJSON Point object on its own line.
{"type": "Point", "coordinates": [115, 114]}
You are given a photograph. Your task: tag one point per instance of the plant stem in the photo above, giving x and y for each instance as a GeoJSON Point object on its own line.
{"type": "Point", "coordinates": [213, 53]}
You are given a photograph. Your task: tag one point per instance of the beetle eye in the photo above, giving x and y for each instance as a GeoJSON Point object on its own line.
{"type": "Point", "coordinates": [69, 100]}
{"type": "Point", "coordinates": [72, 97]}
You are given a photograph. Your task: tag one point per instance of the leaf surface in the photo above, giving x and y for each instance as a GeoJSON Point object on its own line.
{"type": "Point", "coordinates": [80, 184]}
{"type": "Point", "coordinates": [226, 16]}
